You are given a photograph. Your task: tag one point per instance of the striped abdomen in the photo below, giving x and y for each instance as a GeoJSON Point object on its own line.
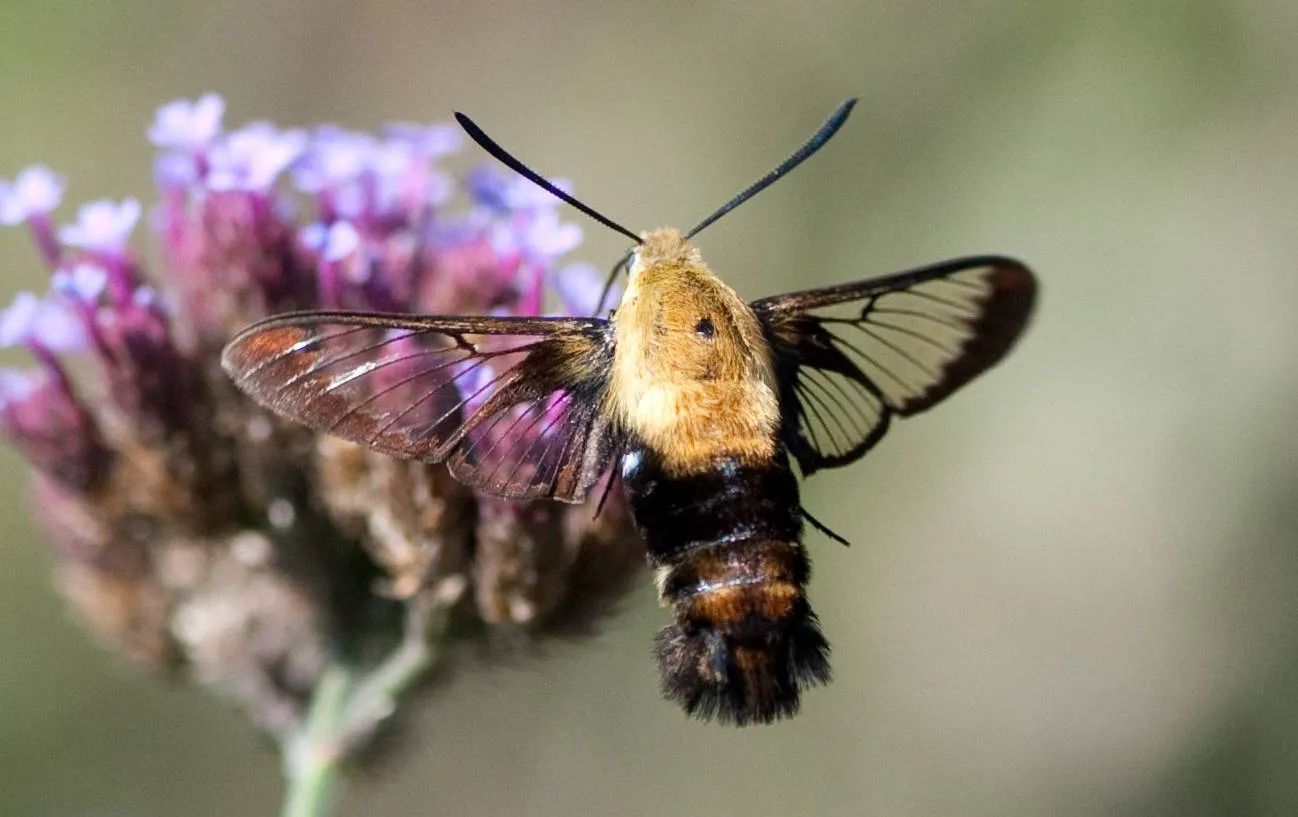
{"type": "Point", "coordinates": [726, 543]}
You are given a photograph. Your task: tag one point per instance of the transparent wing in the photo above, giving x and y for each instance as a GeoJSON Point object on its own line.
{"type": "Point", "coordinates": [850, 357]}
{"type": "Point", "coordinates": [511, 405]}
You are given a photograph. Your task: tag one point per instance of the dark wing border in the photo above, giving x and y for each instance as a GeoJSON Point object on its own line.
{"type": "Point", "coordinates": [804, 345]}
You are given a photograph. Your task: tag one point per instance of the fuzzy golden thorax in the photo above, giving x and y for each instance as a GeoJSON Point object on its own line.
{"type": "Point", "coordinates": [692, 372]}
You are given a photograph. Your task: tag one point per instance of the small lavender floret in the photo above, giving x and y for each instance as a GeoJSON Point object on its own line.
{"type": "Point", "coordinates": [175, 170]}
{"type": "Point", "coordinates": [333, 242]}
{"type": "Point", "coordinates": [150, 299]}
{"type": "Point", "coordinates": [36, 191]}
{"type": "Point", "coordinates": [44, 323]}
{"type": "Point", "coordinates": [334, 157]}
{"type": "Point", "coordinates": [399, 180]}
{"type": "Point", "coordinates": [253, 157]}
{"type": "Point", "coordinates": [102, 226]}
{"type": "Point", "coordinates": [188, 125]}
{"type": "Point", "coordinates": [84, 283]}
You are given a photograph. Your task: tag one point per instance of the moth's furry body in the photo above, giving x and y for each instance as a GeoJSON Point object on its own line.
{"type": "Point", "coordinates": [711, 489]}
{"type": "Point", "coordinates": [692, 395]}
{"type": "Point", "coordinates": [702, 402]}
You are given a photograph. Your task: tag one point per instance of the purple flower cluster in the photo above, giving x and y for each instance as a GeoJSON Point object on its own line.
{"type": "Point", "coordinates": [174, 500]}
{"type": "Point", "coordinates": [261, 220]}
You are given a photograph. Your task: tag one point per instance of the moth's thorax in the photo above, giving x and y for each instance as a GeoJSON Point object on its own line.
{"type": "Point", "coordinates": [692, 373]}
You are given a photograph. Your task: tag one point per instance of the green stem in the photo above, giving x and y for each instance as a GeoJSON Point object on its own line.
{"type": "Point", "coordinates": [346, 708]}
{"type": "Point", "coordinates": [374, 696]}
{"type": "Point", "coordinates": [312, 756]}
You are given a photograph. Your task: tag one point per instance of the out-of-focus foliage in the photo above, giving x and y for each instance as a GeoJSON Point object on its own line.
{"type": "Point", "coordinates": [1070, 589]}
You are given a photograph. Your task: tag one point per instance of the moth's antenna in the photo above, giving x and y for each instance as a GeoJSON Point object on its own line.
{"type": "Point", "coordinates": [803, 153]}
{"type": "Point", "coordinates": [621, 266]}
{"type": "Point", "coordinates": [489, 145]}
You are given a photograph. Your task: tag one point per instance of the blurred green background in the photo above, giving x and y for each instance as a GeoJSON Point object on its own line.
{"type": "Point", "coordinates": [1072, 589]}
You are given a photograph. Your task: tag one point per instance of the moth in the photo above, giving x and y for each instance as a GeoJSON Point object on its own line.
{"type": "Point", "coordinates": [703, 404]}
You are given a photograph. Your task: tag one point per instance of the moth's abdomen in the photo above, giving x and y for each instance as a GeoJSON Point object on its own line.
{"type": "Point", "coordinates": [745, 641]}
{"type": "Point", "coordinates": [731, 566]}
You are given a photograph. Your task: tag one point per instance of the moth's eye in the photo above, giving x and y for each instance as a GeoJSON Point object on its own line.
{"type": "Point", "coordinates": [705, 329]}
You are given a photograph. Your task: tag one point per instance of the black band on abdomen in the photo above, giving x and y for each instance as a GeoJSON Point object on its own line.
{"type": "Point", "coordinates": [728, 502]}
{"type": "Point", "coordinates": [727, 544]}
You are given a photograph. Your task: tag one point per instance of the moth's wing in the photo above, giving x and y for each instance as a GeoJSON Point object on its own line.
{"type": "Point", "coordinates": [850, 357]}
{"type": "Point", "coordinates": [511, 405]}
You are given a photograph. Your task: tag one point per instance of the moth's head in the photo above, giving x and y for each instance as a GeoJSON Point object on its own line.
{"type": "Point", "coordinates": [665, 247]}
{"type": "Point", "coordinates": [681, 318]}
